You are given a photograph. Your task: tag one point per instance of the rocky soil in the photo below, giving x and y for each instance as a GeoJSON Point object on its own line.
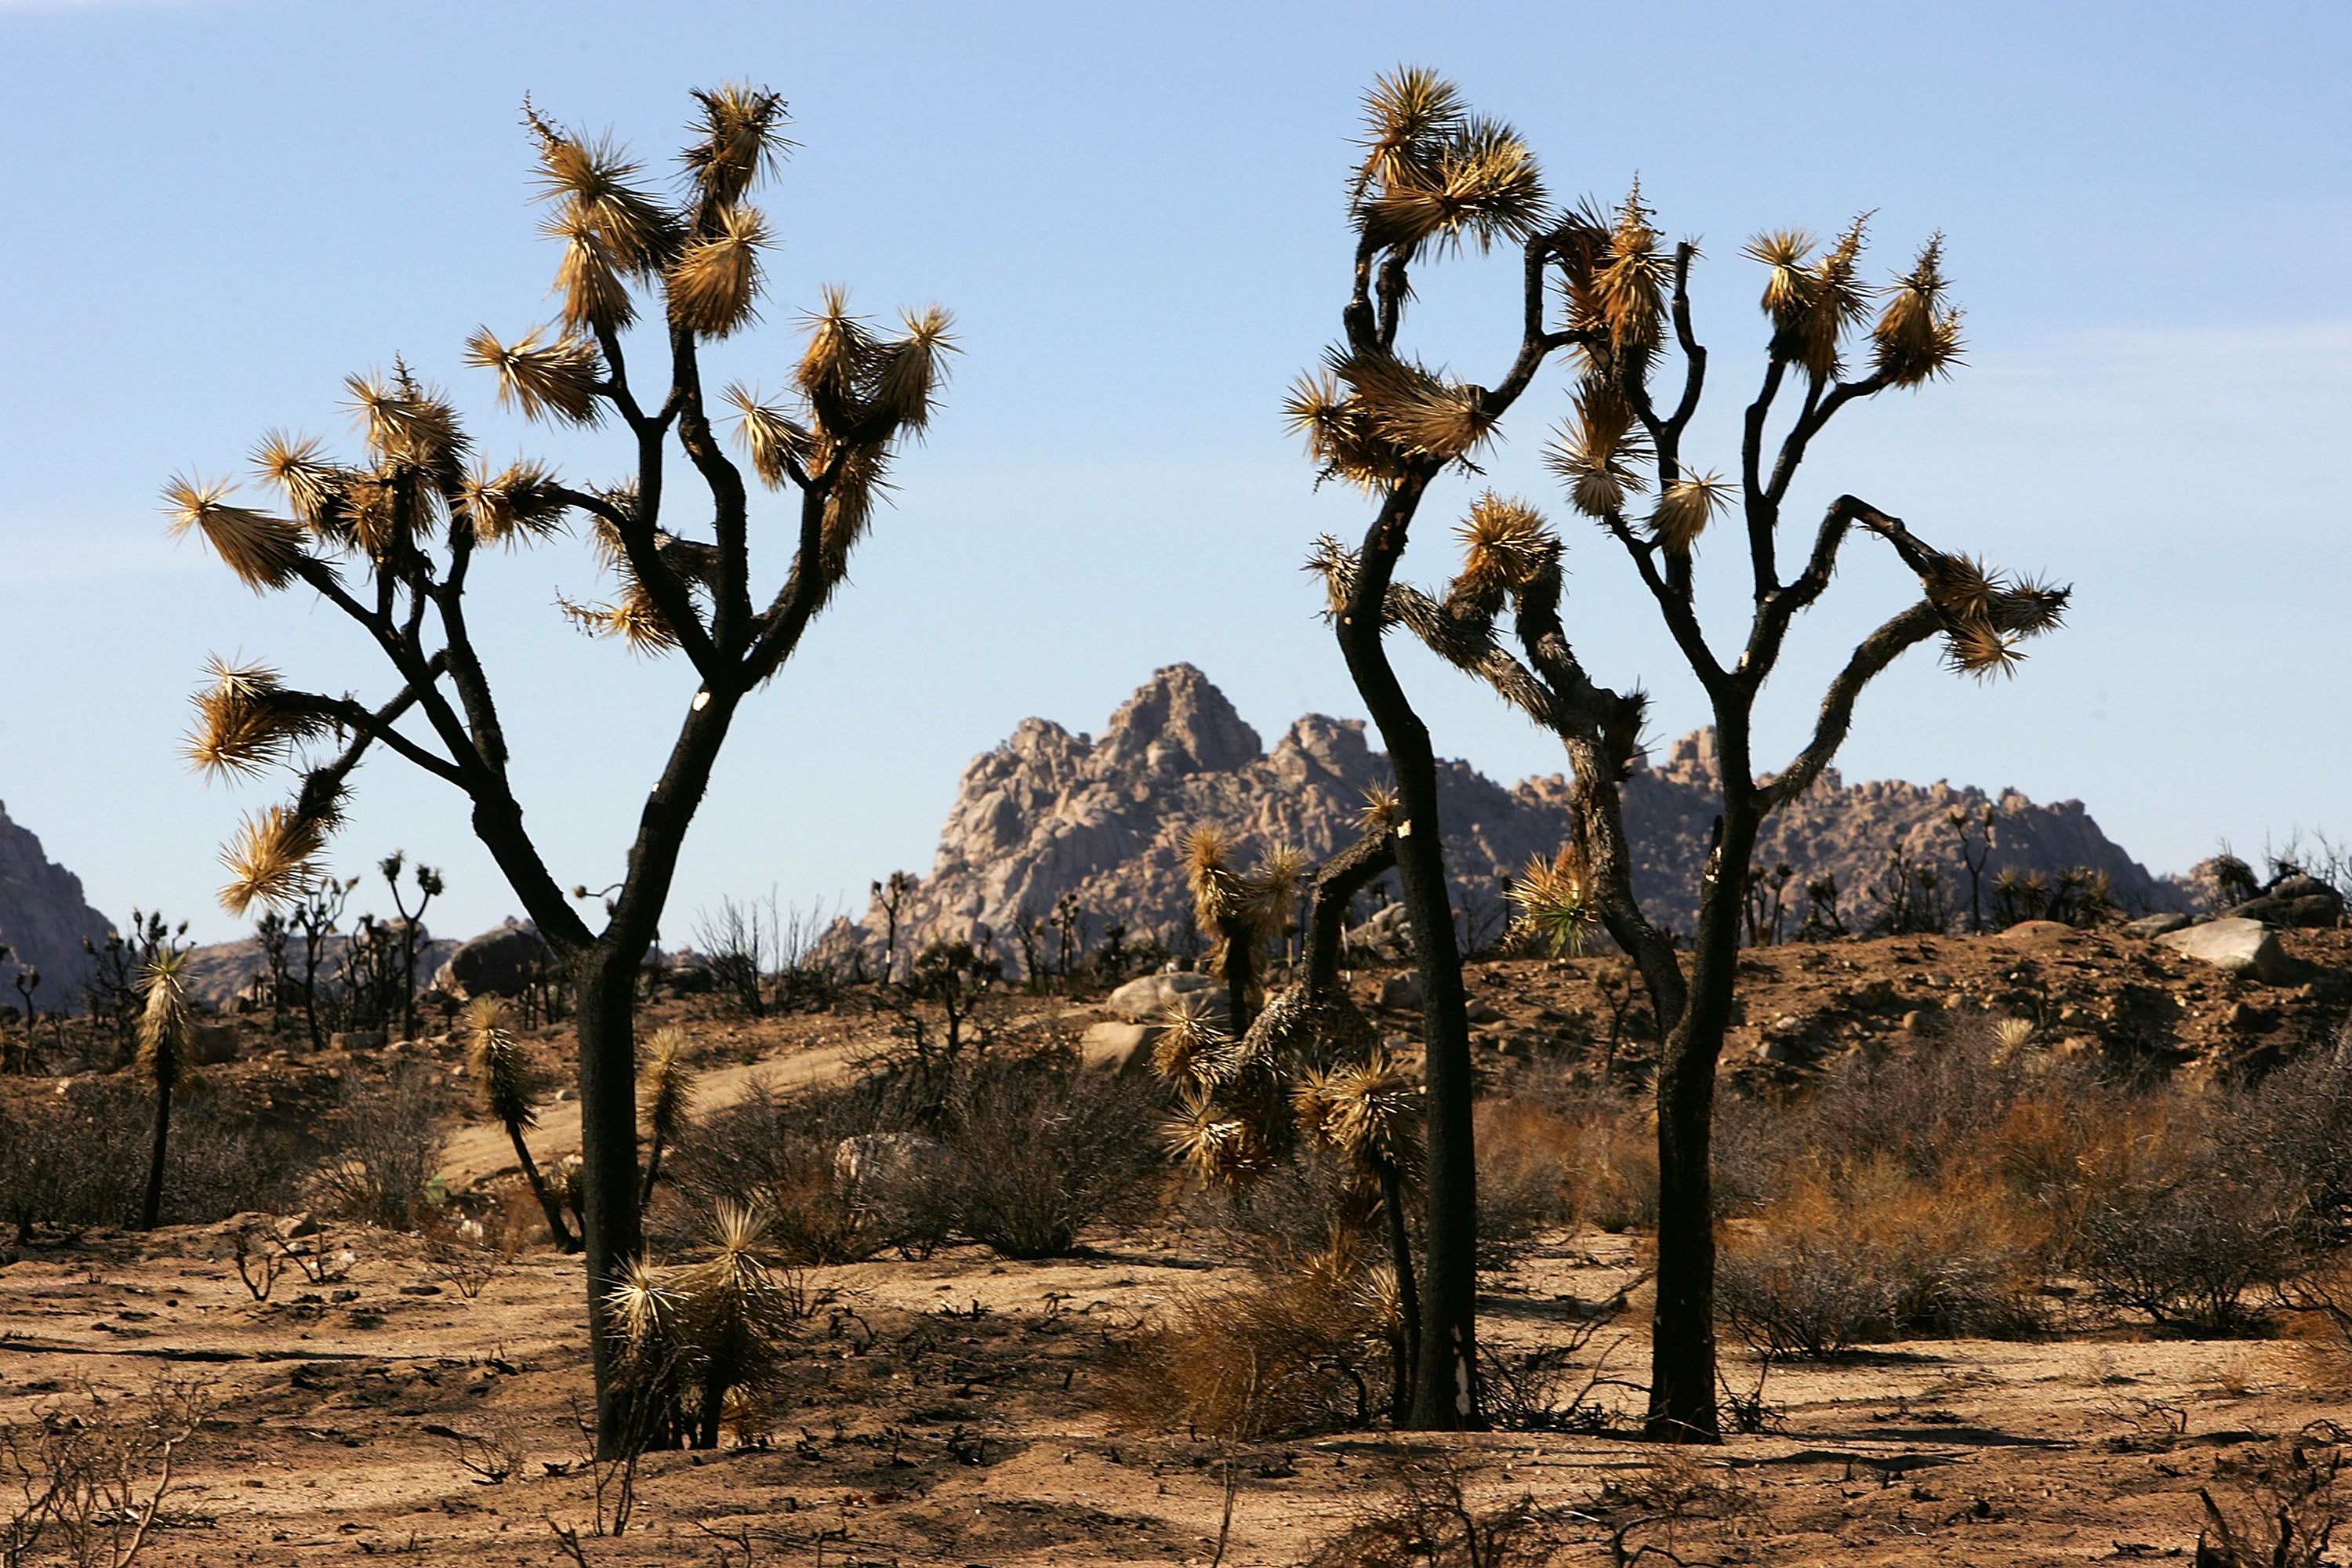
{"type": "Point", "coordinates": [947, 1410]}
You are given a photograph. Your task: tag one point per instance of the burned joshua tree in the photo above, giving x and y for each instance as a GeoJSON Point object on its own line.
{"type": "Point", "coordinates": [1606, 291]}
{"type": "Point", "coordinates": [389, 540]}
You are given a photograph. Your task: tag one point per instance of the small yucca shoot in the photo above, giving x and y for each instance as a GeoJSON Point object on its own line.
{"type": "Point", "coordinates": [1555, 899]}
{"type": "Point", "coordinates": [167, 1037]}
{"type": "Point", "coordinates": [733, 1315]}
{"type": "Point", "coordinates": [506, 1085]}
{"type": "Point", "coordinates": [668, 1094]}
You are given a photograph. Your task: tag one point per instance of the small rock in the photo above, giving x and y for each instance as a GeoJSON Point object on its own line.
{"type": "Point", "coordinates": [2237, 947]}
{"type": "Point", "coordinates": [1121, 1048]}
{"type": "Point", "coordinates": [357, 1040]}
{"type": "Point", "coordinates": [1147, 1001]}
{"type": "Point", "coordinates": [563, 1097]}
{"type": "Point", "coordinates": [216, 1043]}
{"type": "Point", "coordinates": [1402, 991]}
{"type": "Point", "coordinates": [290, 1227]}
{"type": "Point", "coordinates": [1482, 1013]}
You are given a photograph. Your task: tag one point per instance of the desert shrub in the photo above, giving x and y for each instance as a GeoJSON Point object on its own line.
{"type": "Point", "coordinates": [75, 1160]}
{"type": "Point", "coordinates": [2187, 1249]}
{"type": "Point", "coordinates": [1041, 1148]}
{"type": "Point", "coordinates": [86, 1482]}
{"type": "Point", "coordinates": [1424, 1516]}
{"type": "Point", "coordinates": [781, 1154]}
{"type": "Point", "coordinates": [1874, 1253]}
{"type": "Point", "coordinates": [385, 1143]}
{"type": "Point", "coordinates": [2280, 1506]}
{"type": "Point", "coordinates": [2296, 1127]}
{"type": "Point", "coordinates": [1280, 1219]}
{"type": "Point", "coordinates": [1278, 1357]}
{"type": "Point", "coordinates": [1528, 1153]}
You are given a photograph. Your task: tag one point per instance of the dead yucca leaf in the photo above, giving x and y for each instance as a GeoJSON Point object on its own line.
{"type": "Point", "coordinates": [1338, 431]}
{"type": "Point", "coordinates": [738, 137]}
{"type": "Point", "coordinates": [272, 859]}
{"type": "Point", "coordinates": [518, 503]}
{"type": "Point", "coordinates": [1417, 411]}
{"type": "Point", "coordinates": [840, 356]}
{"type": "Point", "coordinates": [592, 182]}
{"type": "Point", "coordinates": [239, 729]}
{"type": "Point", "coordinates": [589, 276]}
{"type": "Point", "coordinates": [633, 618]}
{"type": "Point", "coordinates": [1373, 1112]}
{"type": "Point", "coordinates": [1917, 337]}
{"type": "Point", "coordinates": [1381, 810]}
{"type": "Point", "coordinates": [263, 550]}
{"type": "Point", "coordinates": [1504, 545]}
{"type": "Point", "coordinates": [1407, 114]}
{"type": "Point", "coordinates": [1192, 1047]}
{"type": "Point", "coordinates": [669, 1084]}
{"type": "Point", "coordinates": [406, 422]}
{"type": "Point", "coordinates": [774, 440]}
{"type": "Point", "coordinates": [645, 1311]}
{"type": "Point", "coordinates": [1478, 183]}
{"type": "Point", "coordinates": [312, 485]}
{"type": "Point", "coordinates": [911, 374]}
{"type": "Point", "coordinates": [1630, 281]}
{"type": "Point", "coordinates": [1684, 510]}
{"type": "Point", "coordinates": [715, 281]}
{"type": "Point", "coordinates": [1218, 1147]}
{"type": "Point", "coordinates": [1218, 892]}
{"type": "Point", "coordinates": [1789, 285]}
{"type": "Point", "coordinates": [1597, 451]}
{"type": "Point", "coordinates": [1555, 899]}
{"type": "Point", "coordinates": [544, 378]}
{"type": "Point", "coordinates": [1981, 649]}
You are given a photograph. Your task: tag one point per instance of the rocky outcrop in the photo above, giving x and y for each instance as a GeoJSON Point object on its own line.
{"type": "Point", "coordinates": [1050, 815]}
{"type": "Point", "coordinates": [43, 920]}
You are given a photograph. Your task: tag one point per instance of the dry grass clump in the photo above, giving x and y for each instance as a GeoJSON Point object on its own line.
{"type": "Point", "coordinates": [388, 1137]}
{"type": "Point", "coordinates": [1281, 1356]}
{"type": "Point", "coordinates": [1875, 1252]}
{"type": "Point", "coordinates": [1019, 1154]}
{"type": "Point", "coordinates": [1562, 1160]}
{"type": "Point", "coordinates": [75, 1160]}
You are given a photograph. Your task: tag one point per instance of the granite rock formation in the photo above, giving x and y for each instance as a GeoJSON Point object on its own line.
{"type": "Point", "coordinates": [43, 919]}
{"type": "Point", "coordinates": [1049, 814]}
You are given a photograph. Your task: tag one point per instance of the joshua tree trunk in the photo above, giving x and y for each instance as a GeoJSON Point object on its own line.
{"type": "Point", "coordinates": [1408, 1293]}
{"type": "Point", "coordinates": [1682, 1405]}
{"type": "Point", "coordinates": [1445, 1360]}
{"type": "Point", "coordinates": [548, 1204]}
{"type": "Point", "coordinates": [151, 1211]}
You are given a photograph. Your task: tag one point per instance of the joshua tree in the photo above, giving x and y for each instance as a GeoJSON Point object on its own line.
{"type": "Point", "coordinates": [1393, 427]}
{"type": "Point", "coordinates": [412, 927]}
{"type": "Point", "coordinates": [389, 541]}
{"type": "Point", "coordinates": [506, 1085]}
{"type": "Point", "coordinates": [167, 1037]}
{"type": "Point", "coordinates": [692, 1336]}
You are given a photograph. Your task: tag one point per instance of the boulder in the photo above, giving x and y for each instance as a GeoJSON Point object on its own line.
{"type": "Point", "coordinates": [502, 962]}
{"type": "Point", "coordinates": [1146, 1000]}
{"type": "Point", "coordinates": [216, 1043]}
{"type": "Point", "coordinates": [2323, 908]}
{"type": "Point", "coordinates": [2237, 946]}
{"type": "Point", "coordinates": [2154, 926]}
{"type": "Point", "coordinates": [1402, 991]}
{"type": "Point", "coordinates": [1121, 1048]}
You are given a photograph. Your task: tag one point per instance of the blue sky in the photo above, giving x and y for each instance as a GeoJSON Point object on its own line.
{"type": "Point", "coordinates": [216, 211]}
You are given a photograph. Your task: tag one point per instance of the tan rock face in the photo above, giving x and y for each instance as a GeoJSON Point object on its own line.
{"type": "Point", "coordinates": [1050, 814]}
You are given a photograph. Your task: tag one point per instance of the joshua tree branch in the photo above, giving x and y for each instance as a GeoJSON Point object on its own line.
{"type": "Point", "coordinates": [732, 595]}
{"type": "Point", "coordinates": [464, 665]}
{"type": "Point", "coordinates": [616, 382]}
{"type": "Point", "coordinates": [1819, 411]}
{"type": "Point", "coordinates": [1763, 512]}
{"type": "Point", "coordinates": [1337, 882]}
{"type": "Point", "coordinates": [1693, 355]}
{"type": "Point", "coordinates": [804, 592]}
{"type": "Point", "coordinates": [1682, 620]}
{"type": "Point", "coordinates": [376, 725]}
{"type": "Point", "coordinates": [1875, 652]}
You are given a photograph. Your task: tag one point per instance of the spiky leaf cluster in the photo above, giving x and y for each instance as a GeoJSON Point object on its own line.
{"type": "Point", "coordinates": [1986, 615]}
{"type": "Point", "coordinates": [668, 1088]}
{"type": "Point", "coordinates": [1436, 177]}
{"type": "Point", "coordinates": [246, 720]}
{"type": "Point", "coordinates": [1556, 909]}
{"type": "Point", "coordinates": [505, 1082]}
{"type": "Point", "coordinates": [1257, 907]}
{"type": "Point", "coordinates": [1918, 336]}
{"type": "Point", "coordinates": [1369, 1111]}
{"type": "Point", "coordinates": [167, 1023]}
{"type": "Point", "coordinates": [711, 1327]}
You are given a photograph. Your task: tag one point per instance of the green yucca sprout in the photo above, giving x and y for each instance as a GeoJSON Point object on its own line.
{"type": "Point", "coordinates": [1556, 900]}
{"type": "Point", "coordinates": [735, 1311]}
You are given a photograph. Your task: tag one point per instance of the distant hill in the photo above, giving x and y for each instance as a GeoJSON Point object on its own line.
{"type": "Point", "coordinates": [1050, 813]}
{"type": "Point", "coordinates": [43, 919]}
